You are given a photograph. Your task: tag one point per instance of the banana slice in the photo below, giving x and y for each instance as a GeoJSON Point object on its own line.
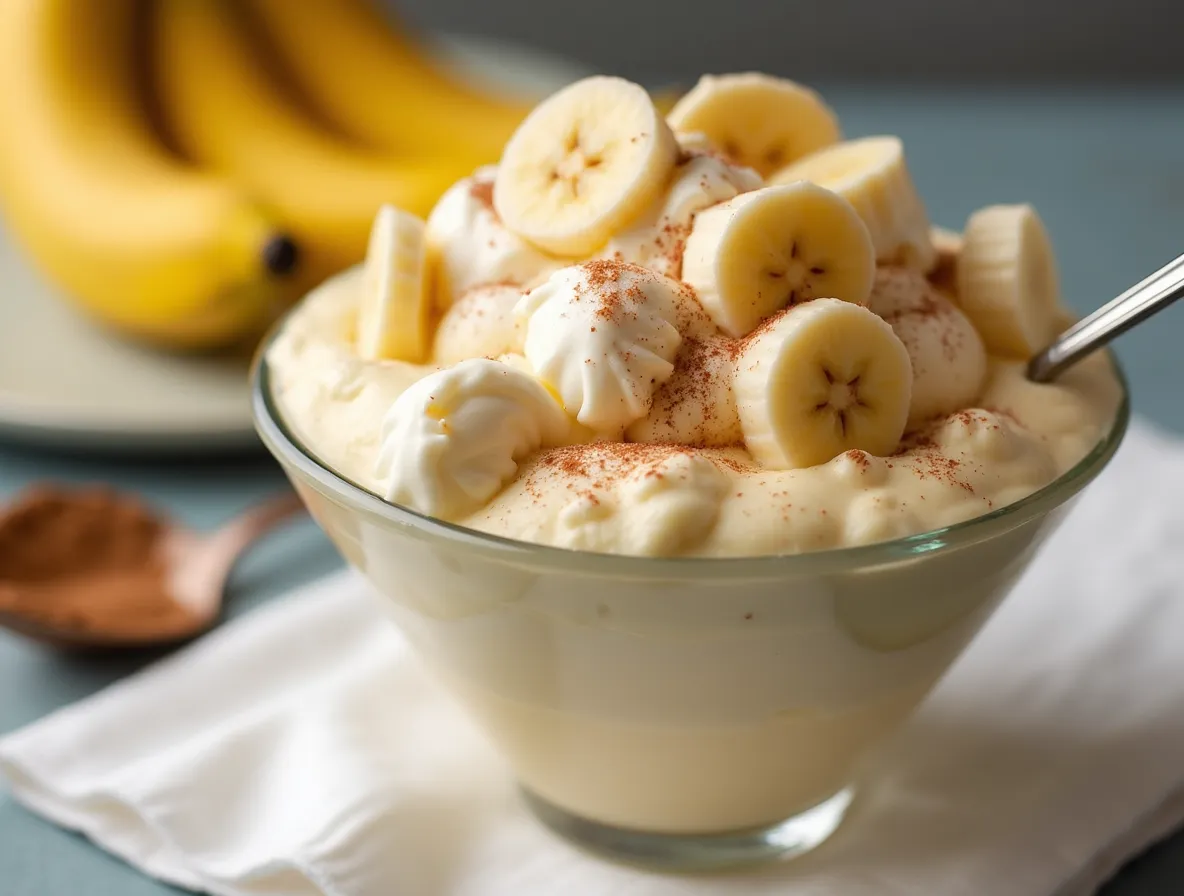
{"type": "Point", "coordinates": [872, 175]}
{"type": "Point", "coordinates": [948, 359]}
{"type": "Point", "coordinates": [453, 439]}
{"type": "Point", "coordinates": [756, 120]}
{"type": "Point", "coordinates": [1007, 280]}
{"type": "Point", "coordinates": [777, 246]}
{"type": "Point", "coordinates": [584, 164]}
{"type": "Point", "coordinates": [819, 380]}
{"type": "Point", "coordinates": [393, 311]}
{"type": "Point", "coordinates": [480, 324]}
{"type": "Point", "coordinates": [603, 336]}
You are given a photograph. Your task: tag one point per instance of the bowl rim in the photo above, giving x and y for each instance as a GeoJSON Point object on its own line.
{"type": "Point", "coordinates": [291, 452]}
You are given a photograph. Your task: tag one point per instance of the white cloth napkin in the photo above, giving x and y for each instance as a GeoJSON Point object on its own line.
{"type": "Point", "coordinates": [300, 751]}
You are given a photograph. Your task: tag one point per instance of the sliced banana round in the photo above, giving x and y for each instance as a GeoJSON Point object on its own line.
{"type": "Point", "coordinates": [948, 358]}
{"type": "Point", "coordinates": [872, 175]}
{"type": "Point", "coordinates": [773, 247]}
{"type": "Point", "coordinates": [756, 120]}
{"type": "Point", "coordinates": [480, 324]}
{"type": "Point", "coordinates": [468, 245]}
{"type": "Point", "coordinates": [657, 240]}
{"type": "Point", "coordinates": [603, 336]}
{"type": "Point", "coordinates": [584, 164]}
{"type": "Point", "coordinates": [1007, 280]}
{"type": "Point", "coordinates": [395, 301]}
{"type": "Point", "coordinates": [452, 440]}
{"type": "Point", "coordinates": [821, 379]}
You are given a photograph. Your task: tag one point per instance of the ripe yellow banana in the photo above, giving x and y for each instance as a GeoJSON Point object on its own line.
{"type": "Point", "coordinates": [376, 85]}
{"type": "Point", "coordinates": [227, 111]}
{"type": "Point", "coordinates": [137, 239]}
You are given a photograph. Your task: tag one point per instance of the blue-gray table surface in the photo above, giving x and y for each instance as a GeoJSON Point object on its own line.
{"type": "Point", "coordinates": [1105, 168]}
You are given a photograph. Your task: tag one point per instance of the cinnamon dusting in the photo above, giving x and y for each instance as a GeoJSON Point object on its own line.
{"type": "Point", "coordinates": [598, 466]}
{"type": "Point", "coordinates": [482, 191]}
{"type": "Point", "coordinates": [686, 406]}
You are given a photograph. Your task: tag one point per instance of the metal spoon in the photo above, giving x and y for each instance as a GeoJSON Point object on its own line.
{"type": "Point", "coordinates": [1113, 319]}
{"type": "Point", "coordinates": [179, 577]}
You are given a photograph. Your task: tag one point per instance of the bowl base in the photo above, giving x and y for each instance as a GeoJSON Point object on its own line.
{"type": "Point", "coordinates": [690, 853]}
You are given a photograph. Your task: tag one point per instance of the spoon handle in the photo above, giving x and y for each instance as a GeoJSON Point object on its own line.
{"type": "Point", "coordinates": [260, 519]}
{"type": "Point", "coordinates": [1113, 319]}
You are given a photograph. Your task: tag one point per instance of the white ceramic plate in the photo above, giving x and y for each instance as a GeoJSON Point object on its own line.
{"type": "Point", "coordinates": [67, 383]}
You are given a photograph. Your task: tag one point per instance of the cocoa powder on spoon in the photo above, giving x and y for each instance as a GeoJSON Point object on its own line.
{"type": "Point", "coordinates": [87, 560]}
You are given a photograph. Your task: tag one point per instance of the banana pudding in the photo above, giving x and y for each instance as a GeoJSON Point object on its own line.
{"type": "Point", "coordinates": [732, 301]}
{"type": "Point", "coordinates": [724, 334]}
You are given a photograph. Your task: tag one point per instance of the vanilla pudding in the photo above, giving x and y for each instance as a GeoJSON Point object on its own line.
{"type": "Point", "coordinates": [676, 482]}
{"type": "Point", "coordinates": [725, 334]}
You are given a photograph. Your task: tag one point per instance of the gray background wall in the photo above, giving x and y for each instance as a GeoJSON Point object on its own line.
{"type": "Point", "coordinates": [994, 40]}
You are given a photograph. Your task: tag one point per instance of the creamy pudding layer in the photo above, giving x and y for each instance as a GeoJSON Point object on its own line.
{"type": "Point", "coordinates": [673, 499]}
{"type": "Point", "coordinates": [725, 332]}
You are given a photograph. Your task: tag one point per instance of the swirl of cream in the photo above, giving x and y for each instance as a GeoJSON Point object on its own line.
{"type": "Point", "coordinates": [603, 335]}
{"type": "Point", "coordinates": [452, 440]}
{"type": "Point", "coordinates": [480, 324]}
{"type": "Point", "coordinates": [469, 246]}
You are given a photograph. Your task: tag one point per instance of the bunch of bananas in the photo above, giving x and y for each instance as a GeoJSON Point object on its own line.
{"type": "Point", "coordinates": [184, 168]}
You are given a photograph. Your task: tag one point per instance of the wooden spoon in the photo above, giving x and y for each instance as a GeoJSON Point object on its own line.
{"type": "Point", "coordinates": [91, 567]}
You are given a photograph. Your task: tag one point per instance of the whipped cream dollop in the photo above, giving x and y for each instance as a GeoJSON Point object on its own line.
{"type": "Point", "coordinates": [696, 406]}
{"type": "Point", "coordinates": [468, 245]}
{"type": "Point", "coordinates": [948, 358]}
{"type": "Point", "coordinates": [453, 439]}
{"type": "Point", "coordinates": [480, 324]}
{"type": "Point", "coordinates": [603, 335]}
{"type": "Point", "coordinates": [702, 180]}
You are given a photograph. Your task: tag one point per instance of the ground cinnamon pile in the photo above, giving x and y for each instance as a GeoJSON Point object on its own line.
{"type": "Point", "coordinates": [89, 560]}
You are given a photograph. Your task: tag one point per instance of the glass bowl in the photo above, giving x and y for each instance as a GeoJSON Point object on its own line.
{"type": "Point", "coordinates": [682, 714]}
